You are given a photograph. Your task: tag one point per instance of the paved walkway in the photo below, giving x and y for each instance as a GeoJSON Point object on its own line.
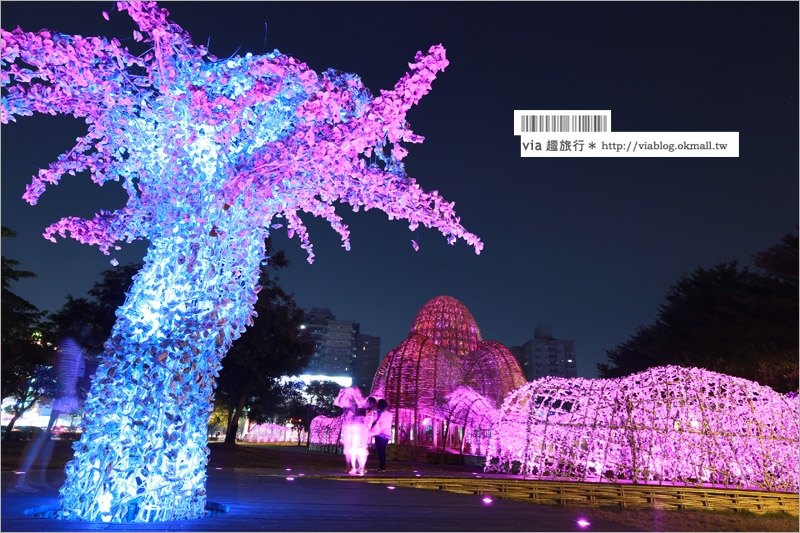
{"type": "Point", "coordinates": [265, 500]}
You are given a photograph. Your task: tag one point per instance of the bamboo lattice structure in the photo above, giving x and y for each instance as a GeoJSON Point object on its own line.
{"type": "Point", "coordinates": [473, 412]}
{"type": "Point", "coordinates": [492, 371]}
{"type": "Point", "coordinates": [414, 378]}
{"type": "Point", "coordinates": [449, 324]}
{"type": "Point", "coordinates": [444, 351]}
{"type": "Point", "coordinates": [664, 425]}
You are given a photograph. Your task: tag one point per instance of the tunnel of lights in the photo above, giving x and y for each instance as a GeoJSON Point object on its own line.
{"type": "Point", "coordinates": [213, 154]}
{"type": "Point", "coordinates": [665, 425]}
{"type": "Point", "coordinates": [326, 432]}
{"type": "Point", "coordinates": [269, 433]}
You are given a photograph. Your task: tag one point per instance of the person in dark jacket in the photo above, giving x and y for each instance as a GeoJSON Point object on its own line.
{"type": "Point", "coordinates": [381, 429]}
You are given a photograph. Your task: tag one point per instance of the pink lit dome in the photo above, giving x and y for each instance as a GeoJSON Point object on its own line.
{"type": "Point", "coordinates": [492, 371]}
{"type": "Point", "coordinates": [443, 352]}
{"type": "Point", "coordinates": [449, 324]}
{"type": "Point", "coordinates": [417, 375]}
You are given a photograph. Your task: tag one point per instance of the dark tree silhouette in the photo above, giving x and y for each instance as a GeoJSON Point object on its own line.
{"type": "Point", "coordinates": [96, 312]}
{"type": "Point", "coordinates": [274, 346]}
{"type": "Point", "coordinates": [726, 319]}
{"type": "Point", "coordinates": [26, 355]}
{"type": "Point", "coordinates": [780, 260]}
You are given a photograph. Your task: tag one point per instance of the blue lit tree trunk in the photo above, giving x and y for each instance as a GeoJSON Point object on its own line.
{"type": "Point", "coordinates": [144, 450]}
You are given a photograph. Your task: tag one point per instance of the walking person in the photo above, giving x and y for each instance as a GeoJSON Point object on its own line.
{"type": "Point", "coordinates": [381, 429]}
{"type": "Point", "coordinates": [355, 433]}
{"type": "Point", "coordinates": [69, 365]}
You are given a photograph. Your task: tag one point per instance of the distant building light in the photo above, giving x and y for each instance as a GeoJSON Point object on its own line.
{"type": "Point", "coordinates": [344, 381]}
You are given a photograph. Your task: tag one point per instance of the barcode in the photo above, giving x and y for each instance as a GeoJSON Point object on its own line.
{"type": "Point", "coordinates": [563, 123]}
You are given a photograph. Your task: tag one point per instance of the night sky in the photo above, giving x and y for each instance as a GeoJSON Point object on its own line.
{"type": "Point", "coordinates": [589, 246]}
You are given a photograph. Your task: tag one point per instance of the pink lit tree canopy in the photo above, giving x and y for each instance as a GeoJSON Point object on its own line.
{"type": "Point", "coordinates": [210, 153]}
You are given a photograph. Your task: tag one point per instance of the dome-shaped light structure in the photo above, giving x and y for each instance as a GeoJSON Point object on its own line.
{"type": "Point", "coordinates": [666, 425]}
{"type": "Point", "coordinates": [449, 324]}
{"type": "Point", "coordinates": [443, 352]}
{"type": "Point", "coordinates": [492, 371]}
{"type": "Point", "coordinates": [413, 378]}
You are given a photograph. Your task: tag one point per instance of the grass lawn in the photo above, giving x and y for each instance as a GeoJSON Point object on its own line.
{"type": "Point", "coordinates": [660, 520]}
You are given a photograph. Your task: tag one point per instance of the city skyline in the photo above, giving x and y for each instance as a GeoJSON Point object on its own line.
{"type": "Point", "coordinates": [589, 246]}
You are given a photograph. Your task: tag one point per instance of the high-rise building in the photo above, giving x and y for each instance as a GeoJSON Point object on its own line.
{"type": "Point", "coordinates": [517, 351]}
{"type": "Point", "coordinates": [336, 346]}
{"type": "Point", "coordinates": [544, 355]}
{"type": "Point", "coordinates": [340, 347]}
{"type": "Point", "coordinates": [317, 325]}
{"type": "Point", "coordinates": [365, 361]}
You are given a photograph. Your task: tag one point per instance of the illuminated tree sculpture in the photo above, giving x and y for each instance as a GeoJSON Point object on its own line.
{"type": "Point", "coordinates": [211, 153]}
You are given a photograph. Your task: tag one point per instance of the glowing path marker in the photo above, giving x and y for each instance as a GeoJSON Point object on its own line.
{"type": "Point", "coordinates": [211, 153]}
